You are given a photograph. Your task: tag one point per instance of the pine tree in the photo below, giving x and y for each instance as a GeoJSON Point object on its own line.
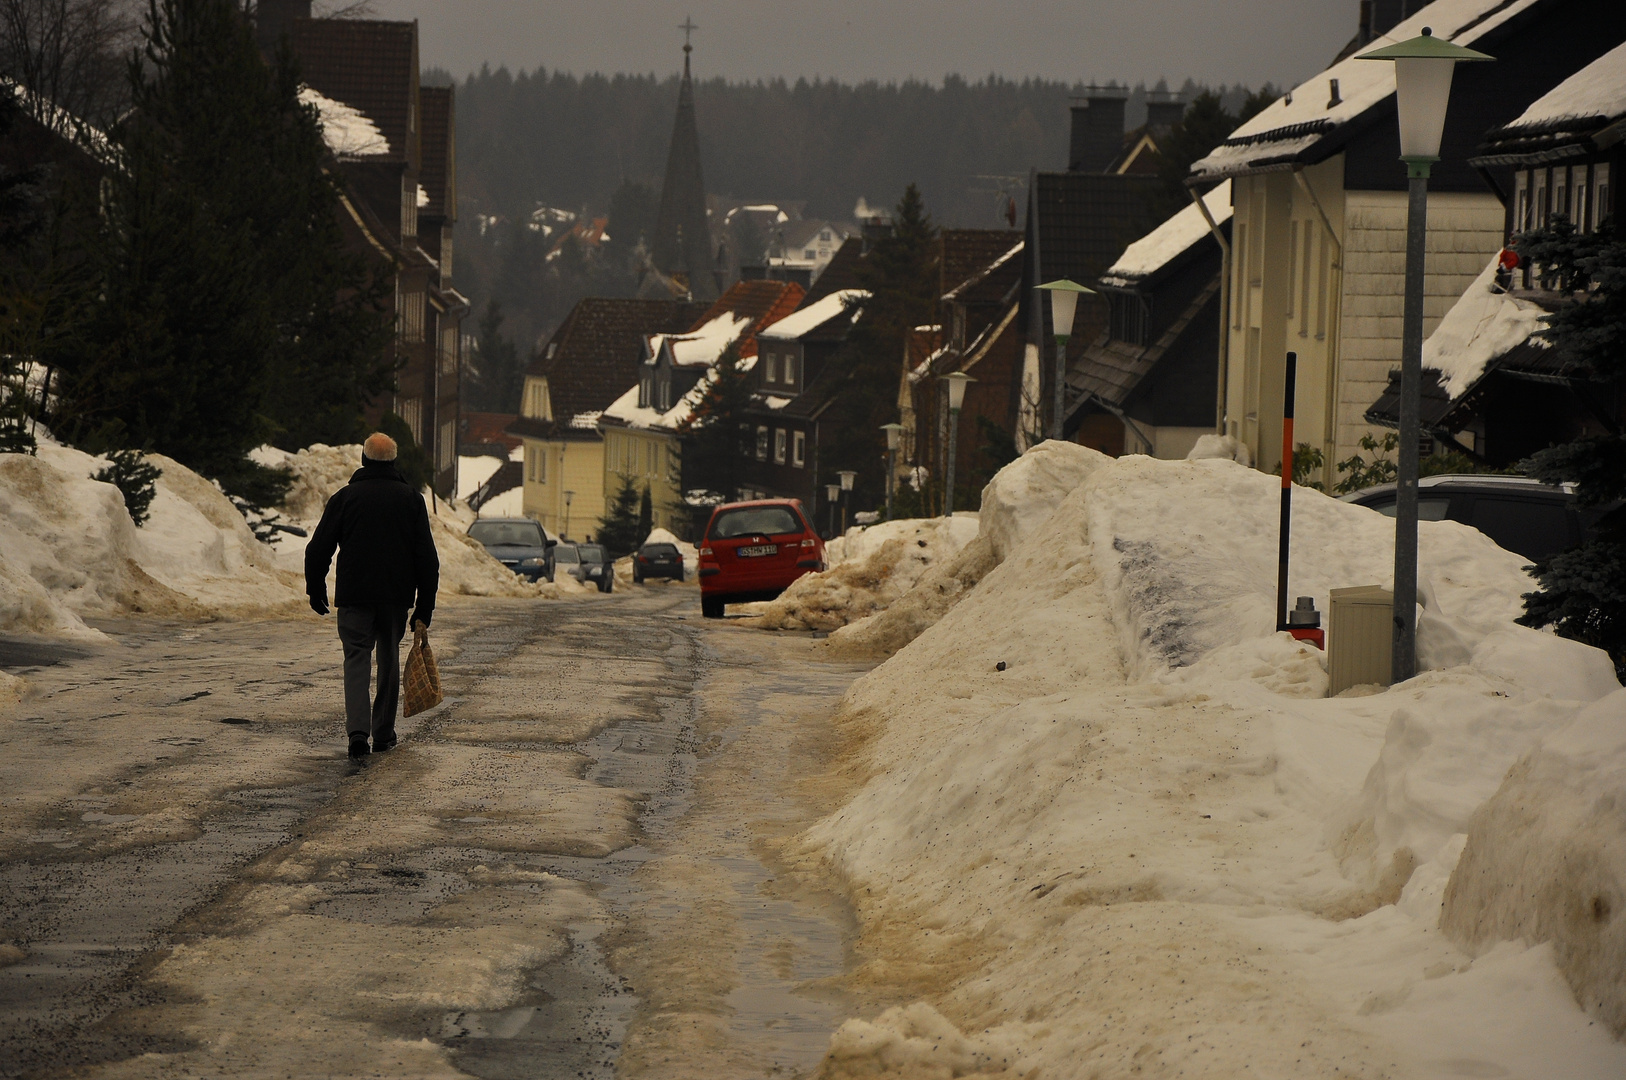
{"type": "Point", "coordinates": [498, 376]}
{"type": "Point", "coordinates": [617, 529]}
{"type": "Point", "coordinates": [1583, 591]}
{"type": "Point", "coordinates": [713, 453]}
{"type": "Point", "coordinates": [646, 515]}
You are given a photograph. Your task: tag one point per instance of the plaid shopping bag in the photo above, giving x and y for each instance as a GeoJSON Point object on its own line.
{"type": "Point", "coordinates": [422, 678]}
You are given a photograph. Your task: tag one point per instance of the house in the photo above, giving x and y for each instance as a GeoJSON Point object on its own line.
{"type": "Point", "coordinates": [395, 144]}
{"type": "Point", "coordinates": [980, 272]}
{"type": "Point", "coordinates": [1319, 197]}
{"type": "Point", "coordinates": [643, 427]}
{"type": "Point", "coordinates": [590, 359]}
{"type": "Point", "coordinates": [800, 250]}
{"type": "Point", "coordinates": [1078, 223]}
{"type": "Point", "coordinates": [1491, 389]}
{"type": "Point", "coordinates": [1147, 384]}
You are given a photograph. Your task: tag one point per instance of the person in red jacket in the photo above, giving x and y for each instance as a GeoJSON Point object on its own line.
{"type": "Point", "coordinates": [380, 528]}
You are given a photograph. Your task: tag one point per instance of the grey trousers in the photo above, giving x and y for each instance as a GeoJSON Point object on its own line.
{"type": "Point", "coordinates": [364, 631]}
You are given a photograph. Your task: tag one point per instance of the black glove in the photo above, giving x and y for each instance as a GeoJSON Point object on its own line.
{"type": "Point", "coordinates": [421, 616]}
{"type": "Point", "coordinates": [319, 604]}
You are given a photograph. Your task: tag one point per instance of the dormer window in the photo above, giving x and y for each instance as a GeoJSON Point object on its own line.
{"type": "Point", "coordinates": [645, 390]}
{"type": "Point", "coordinates": [771, 372]}
{"type": "Point", "coordinates": [790, 369]}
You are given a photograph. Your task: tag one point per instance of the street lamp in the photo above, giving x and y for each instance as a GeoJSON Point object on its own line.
{"type": "Point", "coordinates": [1423, 68]}
{"type": "Point", "coordinates": [847, 478]}
{"type": "Point", "coordinates": [1064, 296]}
{"type": "Point", "coordinates": [568, 496]}
{"type": "Point", "coordinates": [894, 439]}
{"type": "Point", "coordinates": [956, 381]}
{"type": "Point", "coordinates": [832, 493]}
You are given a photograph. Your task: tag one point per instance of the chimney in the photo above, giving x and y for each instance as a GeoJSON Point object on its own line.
{"type": "Point", "coordinates": [1098, 129]}
{"type": "Point", "coordinates": [1163, 110]}
{"type": "Point", "coordinates": [1363, 30]}
{"type": "Point", "coordinates": [274, 18]}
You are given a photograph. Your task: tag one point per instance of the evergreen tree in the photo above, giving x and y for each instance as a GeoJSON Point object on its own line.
{"type": "Point", "coordinates": [713, 453]}
{"type": "Point", "coordinates": [1583, 592]}
{"type": "Point", "coordinates": [227, 312]}
{"type": "Point", "coordinates": [411, 459]}
{"type": "Point", "coordinates": [646, 515]}
{"type": "Point", "coordinates": [497, 379]}
{"type": "Point", "coordinates": [618, 528]}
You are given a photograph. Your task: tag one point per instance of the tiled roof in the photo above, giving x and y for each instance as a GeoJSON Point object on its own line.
{"type": "Point", "coordinates": [368, 64]}
{"type": "Point", "coordinates": [437, 168]}
{"type": "Point", "coordinates": [594, 355]}
{"type": "Point", "coordinates": [488, 428]}
{"type": "Point", "coordinates": [1086, 220]}
{"type": "Point", "coordinates": [763, 302]}
{"type": "Point", "coordinates": [991, 283]}
{"type": "Point", "coordinates": [969, 251]}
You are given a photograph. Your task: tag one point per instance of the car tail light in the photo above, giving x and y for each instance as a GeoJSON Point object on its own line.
{"type": "Point", "coordinates": [704, 551]}
{"type": "Point", "coordinates": [810, 542]}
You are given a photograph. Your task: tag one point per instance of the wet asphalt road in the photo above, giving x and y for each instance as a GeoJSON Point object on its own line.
{"type": "Point", "coordinates": [159, 784]}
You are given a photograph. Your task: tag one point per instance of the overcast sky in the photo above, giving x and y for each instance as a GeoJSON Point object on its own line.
{"type": "Point", "coordinates": [1213, 41]}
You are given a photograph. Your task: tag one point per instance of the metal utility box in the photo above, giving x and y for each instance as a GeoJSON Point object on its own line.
{"type": "Point", "coordinates": [1360, 637]}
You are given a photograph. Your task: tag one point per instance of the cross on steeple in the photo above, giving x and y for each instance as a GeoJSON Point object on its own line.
{"type": "Point", "coordinates": [688, 27]}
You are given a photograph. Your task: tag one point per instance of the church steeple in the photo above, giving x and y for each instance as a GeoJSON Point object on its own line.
{"type": "Point", "coordinates": [682, 245]}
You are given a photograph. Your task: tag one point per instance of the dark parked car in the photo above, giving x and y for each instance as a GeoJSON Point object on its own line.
{"type": "Point", "coordinates": [518, 543]}
{"type": "Point", "coordinates": [1523, 515]}
{"type": "Point", "coordinates": [753, 550]}
{"type": "Point", "coordinates": [657, 560]}
{"type": "Point", "coordinates": [588, 563]}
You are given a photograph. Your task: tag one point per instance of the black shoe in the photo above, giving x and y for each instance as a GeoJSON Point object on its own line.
{"type": "Point", "coordinates": [384, 741]}
{"type": "Point", "coordinates": [358, 746]}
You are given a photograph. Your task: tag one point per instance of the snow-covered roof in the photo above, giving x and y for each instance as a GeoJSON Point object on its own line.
{"type": "Point", "coordinates": [346, 130]}
{"type": "Point", "coordinates": [704, 344]}
{"type": "Point", "coordinates": [1596, 91]}
{"type": "Point", "coordinates": [626, 410]}
{"type": "Point", "coordinates": [813, 316]}
{"type": "Point", "coordinates": [1301, 118]}
{"type": "Point", "coordinates": [775, 402]}
{"type": "Point", "coordinates": [981, 275]}
{"type": "Point", "coordinates": [87, 137]}
{"type": "Point", "coordinates": [586, 421]}
{"type": "Point", "coordinates": [1157, 248]}
{"type": "Point", "coordinates": [1483, 324]}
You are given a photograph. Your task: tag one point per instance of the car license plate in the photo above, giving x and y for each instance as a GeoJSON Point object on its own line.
{"type": "Point", "coordinates": [758, 550]}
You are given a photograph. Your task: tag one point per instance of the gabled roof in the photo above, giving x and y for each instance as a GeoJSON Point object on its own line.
{"type": "Point", "coordinates": [1584, 113]}
{"type": "Point", "coordinates": [1304, 126]}
{"type": "Point", "coordinates": [368, 64]}
{"type": "Point", "coordinates": [1161, 247]}
{"type": "Point", "coordinates": [1111, 371]}
{"type": "Point", "coordinates": [838, 307]}
{"type": "Point", "coordinates": [967, 252]}
{"type": "Point", "coordinates": [758, 303]}
{"type": "Point", "coordinates": [437, 169]}
{"type": "Point", "coordinates": [595, 353]}
{"type": "Point", "coordinates": [991, 282]}
{"type": "Point", "coordinates": [841, 272]}
{"type": "Point", "coordinates": [800, 233]}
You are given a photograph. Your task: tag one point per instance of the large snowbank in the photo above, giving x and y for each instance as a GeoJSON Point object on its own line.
{"type": "Point", "coordinates": [68, 549]}
{"type": "Point", "coordinates": [466, 568]}
{"type": "Point", "coordinates": [1019, 499]}
{"type": "Point", "coordinates": [867, 569]}
{"type": "Point", "coordinates": [1150, 844]}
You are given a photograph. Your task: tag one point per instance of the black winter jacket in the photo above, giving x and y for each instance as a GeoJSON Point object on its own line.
{"type": "Point", "coordinates": [386, 553]}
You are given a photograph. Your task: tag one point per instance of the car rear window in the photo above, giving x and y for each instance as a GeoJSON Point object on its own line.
{"type": "Point", "coordinates": [519, 533]}
{"type": "Point", "coordinates": [565, 553]}
{"type": "Point", "coordinates": [1427, 509]}
{"type": "Point", "coordinates": [755, 521]}
{"type": "Point", "coordinates": [591, 553]}
{"type": "Point", "coordinates": [659, 549]}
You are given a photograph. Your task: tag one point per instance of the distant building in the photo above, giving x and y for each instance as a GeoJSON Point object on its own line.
{"type": "Point", "coordinates": [800, 250]}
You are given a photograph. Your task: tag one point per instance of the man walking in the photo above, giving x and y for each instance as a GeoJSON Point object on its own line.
{"type": "Point", "coordinates": [380, 528]}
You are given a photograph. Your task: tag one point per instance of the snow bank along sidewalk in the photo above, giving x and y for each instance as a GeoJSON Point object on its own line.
{"type": "Point", "coordinates": [68, 549]}
{"type": "Point", "coordinates": [868, 568]}
{"type": "Point", "coordinates": [466, 568]}
{"type": "Point", "coordinates": [1107, 822]}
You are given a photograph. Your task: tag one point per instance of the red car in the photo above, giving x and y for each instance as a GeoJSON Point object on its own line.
{"type": "Point", "coordinates": [753, 550]}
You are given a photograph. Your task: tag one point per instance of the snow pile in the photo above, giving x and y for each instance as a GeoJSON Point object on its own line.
{"type": "Point", "coordinates": [68, 549]}
{"type": "Point", "coordinates": [1107, 807]}
{"type": "Point", "coordinates": [914, 1037]}
{"type": "Point", "coordinates": [868, 569]}
{"type": "Point", "coordinates": [1545, 860]}
{"type": "Point", "coordinates": [1019, 499]}
{"type": "Point", "coordinates": [466, 567]}
{"type": "Point", "coordinates": [1225, 447]}
{"type": "Point", "coordinates": [1484, 324]}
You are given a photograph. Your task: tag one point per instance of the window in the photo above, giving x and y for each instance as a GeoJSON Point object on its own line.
{"type": "Point", "coordinates": [409, 314]}
{"type": "Point", "coordinates": [798, 449]}
{"type": "Point", "coordinates": [535, 406]}
{"type": "Point", "coordinates": [1602, 206]}
{"type": "Point", "coordinates": [790, 369]}
{"type": "Point", "coordinates": [536, 464]}
{"type": "Point", "coordinates": [448, 350]}
{"type": "Point", "coordinates": [411, 410]}
{"type": "Point", "coordinates": [762, 444]}
{"type": "Point", "coordinates": [1538, 209]}
{"type": "Point", "coordinates": [645, 390]}
{"type": "Point", "coordinates": [771, 372]}
{"type": "Point", "coordinates": [446, 254]}
{"type": "Point", "coordinates": [825, 236]}
{"type": "Point", "coordinates": [409, 209]}
{"type": "Point", "coordinates": [779, 446]}
{"type": "Point", "coordinates": [1521, 202]}
{"type": "Point", "coordinates": [754, 521]}
{"type": "Point", "coordinates": [809, 253]}
{"type": "Point", "coordinates": [446, 447]}
{"type": "Point", "coordinates": [1293, 263]}
{"type": "Point", "coordinates": [507, 533]}
{"type": "Point", "coordinates": [1304, 283]}
{"type": "Point", "coordinates": [1561, 192]}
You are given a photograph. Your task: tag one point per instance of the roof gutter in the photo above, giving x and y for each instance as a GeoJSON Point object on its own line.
{"type": "Point", "coordinates": [1225, 310]}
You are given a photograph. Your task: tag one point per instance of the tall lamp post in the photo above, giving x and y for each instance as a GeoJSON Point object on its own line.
{"type": "Point", "coordinates": [1064, 296]}
{"type": "Point", "coordinates": [847, 478]}
{"type": "Point", "coordinates": [566, 534]}
{"type": "Point", "coordinates": [956, 381]}
{"type": "Point", "coordinates": [832, 494]}
{"type": "Point", "coordinates": [1423, 68]}
{"type": "Point", "coordinates": [894, 439]}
